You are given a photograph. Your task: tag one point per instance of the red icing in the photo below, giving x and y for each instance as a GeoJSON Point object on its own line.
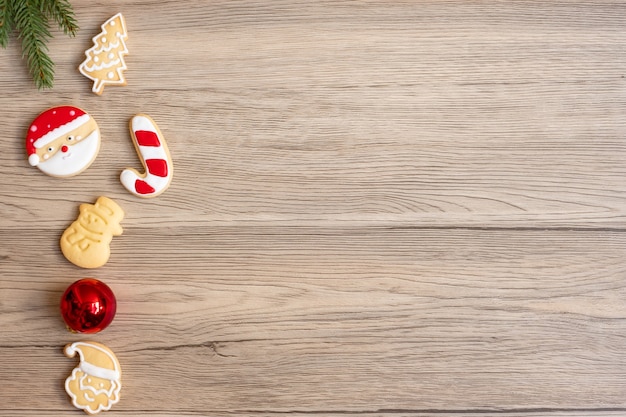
{"type": "Point", "coordinates": [49, 120]}
{"type": "Point", "coordinates": [64, 148]}
{"type": "Point", "coordinates": [157, 167]}
{"type": "Point", "coordinates": [147, 138]}
{"type": "Point", "coordinates": [143, 187]}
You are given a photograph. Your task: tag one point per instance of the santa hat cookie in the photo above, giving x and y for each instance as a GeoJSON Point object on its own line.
{"type": "Point", "coordinates": [95, 384]}
{"type": "Point", "coordinates": [63, 141]}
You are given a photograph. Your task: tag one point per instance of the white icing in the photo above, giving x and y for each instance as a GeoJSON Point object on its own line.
{"type": "Point", "coordinates": [128, 178]}
{"type": "Point", "coordinates": [60, 131]}
{"type": "Point", "coordinates": [158, 183]}
{"type": "Point", "coordinates": [105, 48]}
{"type": "Point", "coordinates": [94, 370]}
{"type": "Point", "coordinates": [33, 159]}
{"type": "Point", "coordinates": [152, 152]}
{"type": "Point", "coordinates": [102, 66]}
{"type": "Point", "coordinates": [89, 393]}
{"type": "Point", "coordinates": [142, 123]}
{"type": "Point", "coordinates": [79, 157]}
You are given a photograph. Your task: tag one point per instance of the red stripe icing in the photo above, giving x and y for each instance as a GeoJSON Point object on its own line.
{"type": "Point", "coordinates": [143, 187]}
{"type": "Point", "coordinates": [157, 167]}
{"type": "Point", "coordinates": [147, 138]}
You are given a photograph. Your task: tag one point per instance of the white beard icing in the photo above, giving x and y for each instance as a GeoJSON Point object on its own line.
{"type": "Point", "coordinates": [78, 157]}
{"type": "Point", "coordinates": [89, 391]}
{"type": "Point", "coordinates": [88, 397]}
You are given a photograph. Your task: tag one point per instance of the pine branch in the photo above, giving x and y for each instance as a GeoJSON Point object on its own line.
{"type": "Point", "coordinates": [6, 22]}
{"type": "Point", "coordinates": [35, 33]}
{"type": "Point", "coordinates": [62, 13]}
{"type": "Point", "coordinates": [31, 20]}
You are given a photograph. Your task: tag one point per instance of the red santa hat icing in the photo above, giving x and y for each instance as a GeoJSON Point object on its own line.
{"type": "Point", "coordinates": [50, 125]}
{"type": "Point", "coordinates": [95, 359]}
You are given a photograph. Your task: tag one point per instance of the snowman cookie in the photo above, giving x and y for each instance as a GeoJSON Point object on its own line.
{"type": "Point", "coordinates": [85, 242]}
{"type": "Point", "coordinates": [63, 141]}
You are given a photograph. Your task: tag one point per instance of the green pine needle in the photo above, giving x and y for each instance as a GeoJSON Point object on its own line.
{"type": "Point", "coordinates": [61, 12]}
{"type": "Point", "coordinates": [6, 22]}
{"type": "Point", "coordinates": [31, 20]}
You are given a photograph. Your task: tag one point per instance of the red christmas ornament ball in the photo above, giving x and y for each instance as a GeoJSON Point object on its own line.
{"type": "Point", "coordinates": [88, 306]}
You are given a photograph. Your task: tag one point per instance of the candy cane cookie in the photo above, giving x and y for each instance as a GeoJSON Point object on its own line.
{"type": "Point", "coordinates": [154, 155]}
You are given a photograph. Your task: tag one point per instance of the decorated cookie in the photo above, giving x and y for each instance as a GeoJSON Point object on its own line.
{"type": "Point", "coordinates": [63, 141]}
{"type": "Point", "coordinates": [94, 384]}
{"type": "Point", "coordinates": [104, 62]}
{"type": "Point", "coordinates": [85, 242]}
{"type": "Point", "coordinates": [155, 157]}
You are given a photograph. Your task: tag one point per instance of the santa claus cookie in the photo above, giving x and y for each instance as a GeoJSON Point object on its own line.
{"type": "Point", "coordinates": [94, 384]}
{"type": "Point", "coordinates": [63, 141]}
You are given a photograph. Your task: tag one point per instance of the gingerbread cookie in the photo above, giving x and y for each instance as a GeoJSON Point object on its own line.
{"type": "Point", "coordinates": [94, 384]}
{"type": "Point", "coordinates": [63, 141]}
{"type": "Point", "coordinates": [104, 62]}
{"type": "Point", "coordinates": [86, 241]}
{"type": "Point", "coordinates": [155, 157]}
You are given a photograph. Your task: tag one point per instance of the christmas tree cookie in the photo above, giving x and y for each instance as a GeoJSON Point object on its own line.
{"type": "Point", "coordinates": [104, 62]}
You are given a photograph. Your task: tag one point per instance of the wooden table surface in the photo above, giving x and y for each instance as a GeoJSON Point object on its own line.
{"type": "Point", "coordinates": [385, 208]}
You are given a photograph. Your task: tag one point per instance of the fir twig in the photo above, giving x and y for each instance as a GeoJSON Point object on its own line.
{"type": "Point", "coordinates": [35, 33]}
{"type": "Point", "coordinates": [61, 12]}
{"type": "Point", "coordinates": [31, 20]}
{"type": "Point", "coordinates": [6, 22]}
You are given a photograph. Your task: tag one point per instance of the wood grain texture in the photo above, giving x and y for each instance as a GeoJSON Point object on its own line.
{"type": "Point", "coordinates": [379, 208]}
